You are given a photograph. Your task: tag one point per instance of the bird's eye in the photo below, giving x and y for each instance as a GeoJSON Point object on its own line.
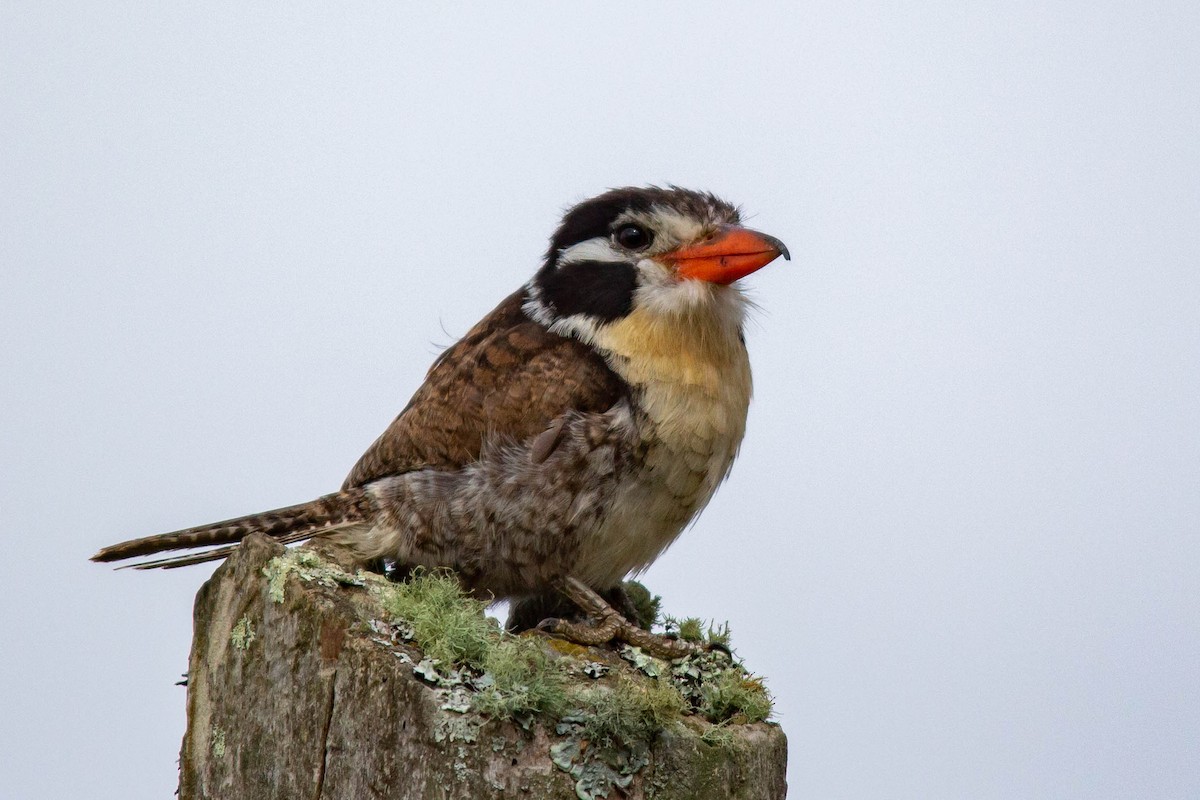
{"type": "Point", "coordinates": [633, 237]}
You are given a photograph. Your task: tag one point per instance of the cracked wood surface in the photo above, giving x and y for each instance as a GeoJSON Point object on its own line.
{"type": "Point", "coordinates": [303, 704]}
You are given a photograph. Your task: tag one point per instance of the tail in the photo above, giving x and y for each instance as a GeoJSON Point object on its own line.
{"type": "Point", "coordinates": [325, 515]}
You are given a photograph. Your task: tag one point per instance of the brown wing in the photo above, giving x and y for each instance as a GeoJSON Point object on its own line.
{"type": "Point", "coordinates": [507, 377]}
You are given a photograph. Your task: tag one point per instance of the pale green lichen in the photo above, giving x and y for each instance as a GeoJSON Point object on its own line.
{"type": "Point", "coordinates": [597, 771]}
{"type": "Point", "coordinates": [218, 742]}
{"type": "Point", "coordinates": [594, 669]}
{"type": "Point", "coordinates": [308, 567]}
{"type": "Point", "coordinates": [242, 634]}
{"type": "Point", "coordinates": [456, 728]}
{"type": "Point", "coordinates": [461, 771]}
{"type": "Point", "coordinates": [642, 660]}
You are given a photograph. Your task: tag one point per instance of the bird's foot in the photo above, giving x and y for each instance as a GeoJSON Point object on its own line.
{"type": "Point", "coordinates": [580, 633]}
{"type": "Point", "coordinates": [617, 627]}
{"type": "Point", "coordinates": [630, 600]}
{"type": "Point", "coordinates": [610, 624]}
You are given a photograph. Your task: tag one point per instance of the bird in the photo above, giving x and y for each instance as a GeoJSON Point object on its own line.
{"type": "Point", "coordinates": [570, 436]}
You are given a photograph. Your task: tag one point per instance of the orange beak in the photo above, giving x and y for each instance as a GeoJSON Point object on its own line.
{"type": "Point", "coordinates": [733, 253]}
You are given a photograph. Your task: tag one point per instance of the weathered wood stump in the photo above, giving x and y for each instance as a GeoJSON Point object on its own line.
{"type": "Point", "coordinates": [300, 687]}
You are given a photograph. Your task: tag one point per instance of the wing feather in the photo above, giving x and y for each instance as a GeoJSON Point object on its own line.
{"type": "Point", "coordinates": [507, 378]}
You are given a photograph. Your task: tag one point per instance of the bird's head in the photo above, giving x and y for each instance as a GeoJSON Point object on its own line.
{"type": "Point", "coordinates": [663, 252]}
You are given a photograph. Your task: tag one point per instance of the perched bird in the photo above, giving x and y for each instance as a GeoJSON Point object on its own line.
{"type": "Point", "coordinates": [570, 436]}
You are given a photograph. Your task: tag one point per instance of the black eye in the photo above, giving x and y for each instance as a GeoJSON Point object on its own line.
{"type": "Point", "coordinates": [633, 237]}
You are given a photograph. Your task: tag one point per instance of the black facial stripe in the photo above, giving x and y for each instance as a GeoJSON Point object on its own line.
{"type": "Point", "coordinates": [602, 290]}
{"type": "Point", "coordinates": [595, 217]}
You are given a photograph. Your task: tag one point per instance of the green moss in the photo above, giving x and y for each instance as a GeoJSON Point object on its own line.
{"type": "Point", "coordinates": [524, 680]}
{"type": "Point", "coordinates": [717, 635]}
{"type": "Point", "coordinates": [631, 709]}
{"type": "Point", "coordinates": [447, 625]}
{"type": "Point", "coordinates": [647, 605]}
{"type": "Point", "coordinates": [691, 629]}
{"type": "Point", "coordinates": [732, 694]}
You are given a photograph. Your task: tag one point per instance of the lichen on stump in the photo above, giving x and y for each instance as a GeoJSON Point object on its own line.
{"type": "Point", "coordinates": [309, 679]}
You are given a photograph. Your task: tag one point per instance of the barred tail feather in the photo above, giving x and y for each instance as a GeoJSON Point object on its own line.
{"type": "Point", "coordinates": [333, 512]}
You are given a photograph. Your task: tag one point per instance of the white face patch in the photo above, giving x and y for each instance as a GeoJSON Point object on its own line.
{"type": "Point", "coordinates": [671, 229]}
{"type": "Point", "coordinates": [600, 248]}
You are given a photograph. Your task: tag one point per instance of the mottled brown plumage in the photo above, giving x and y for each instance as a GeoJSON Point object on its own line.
{"type": "Point", "coordinates": [570, 436]}
{"type": "Point", "coordinates": [507, 377]}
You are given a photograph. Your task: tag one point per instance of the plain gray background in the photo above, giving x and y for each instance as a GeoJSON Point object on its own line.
{"type": "Point", "coordinates": [962, 539]}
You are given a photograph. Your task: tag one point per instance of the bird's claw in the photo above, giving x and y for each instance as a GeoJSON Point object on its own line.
{"type": "Point", "coordinates": [617, 627]}
{"type": "Point", "coordinates": [609, 625]}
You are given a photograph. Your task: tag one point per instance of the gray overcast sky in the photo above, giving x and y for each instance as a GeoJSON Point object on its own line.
{"type": "Point", "coordinates": [963, 538]}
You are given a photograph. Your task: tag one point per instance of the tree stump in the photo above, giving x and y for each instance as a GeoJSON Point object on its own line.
{"type": "Point", "coordinates": [299, 687]}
